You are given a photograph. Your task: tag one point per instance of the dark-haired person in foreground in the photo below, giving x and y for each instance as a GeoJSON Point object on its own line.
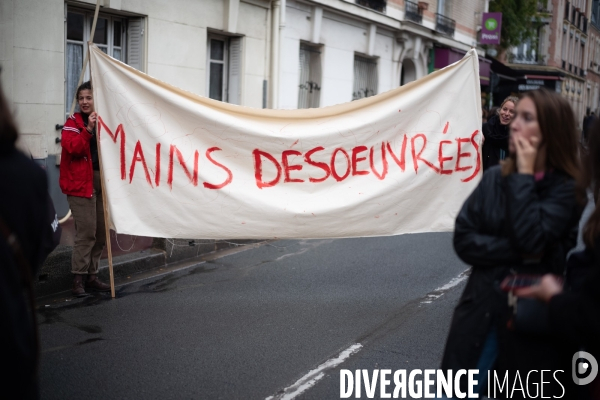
{"type": "Point", "coordinates": [26, 238]}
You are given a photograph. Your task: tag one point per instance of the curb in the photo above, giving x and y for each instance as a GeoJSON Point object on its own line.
{"type": "Point", "coordinates": [55, 275]}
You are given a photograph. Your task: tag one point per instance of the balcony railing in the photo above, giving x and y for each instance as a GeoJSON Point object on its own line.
{"type": "Point", "coordinates": [377, 5]}
{"type": "Point", "coordinates": [412, 12]}
{"type": "Point", "coordinates": [525, 59]}
{"type": "Point", "coordinates": [444, 24]}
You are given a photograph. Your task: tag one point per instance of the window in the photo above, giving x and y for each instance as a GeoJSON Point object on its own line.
{"type": "Point", "coordinates": [365, 77]}
{"type": "Point", "coordinates": [525, 52]}
{"type": "Point", "coordinates": [224, 62]}
{"type": "Point", "coordinates": [121, 38]}
{"type": "Point", "coordinates": [377, 5]}
{"type": "Point", "coordinates": [309, 92]}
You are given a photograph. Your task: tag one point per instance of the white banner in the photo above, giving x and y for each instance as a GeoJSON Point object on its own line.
{"type": "Point", "coordinates": [178, 165]}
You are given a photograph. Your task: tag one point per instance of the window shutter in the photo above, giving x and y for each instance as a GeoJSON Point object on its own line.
{"type": "Point", "coordinates": [135, 43]}
{"type": "Point", "coordinates": [315, 78]}
{"type": "Point", "coordinates": [365, 77]}
{"type": "Point", "coordinates": [235, 55]}
{"type": "Point", "coordinates": [309, 88]}
{"type": "Point", "coordinates": [304, 77]}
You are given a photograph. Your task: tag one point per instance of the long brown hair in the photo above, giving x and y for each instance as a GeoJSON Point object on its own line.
{"type": "Point", "coordinates": [590, 179]}
{"type": "Point", "coordinates": [559, 133]}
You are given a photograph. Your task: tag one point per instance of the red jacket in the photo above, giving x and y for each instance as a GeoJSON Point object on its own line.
{"type": "Point", "coordinates": [76, 172]}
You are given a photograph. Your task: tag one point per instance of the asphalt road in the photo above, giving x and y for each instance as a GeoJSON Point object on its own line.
{"type": "Point", "coordinates": [254, 324]}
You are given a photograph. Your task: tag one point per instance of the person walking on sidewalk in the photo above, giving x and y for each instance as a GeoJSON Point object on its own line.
{"type": "Point", "coordinates": [80, 181]}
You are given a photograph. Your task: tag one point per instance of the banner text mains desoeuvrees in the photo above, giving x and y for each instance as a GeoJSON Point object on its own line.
{"type": "Point", "coordinates": [360, 160]}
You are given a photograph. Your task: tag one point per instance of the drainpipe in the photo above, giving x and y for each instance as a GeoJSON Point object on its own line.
{"type": "Point", "coordinates": [275, 31]}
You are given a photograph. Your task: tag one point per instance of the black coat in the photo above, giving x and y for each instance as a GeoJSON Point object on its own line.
{"type": "Point", "coordinates": [575, 314]}
{"type": "Point", "coordinates": [505, 224]}
{"type": "Point", "coordinates": [24, 208]}
{"type": "Point", "coordinates": [496, 139]}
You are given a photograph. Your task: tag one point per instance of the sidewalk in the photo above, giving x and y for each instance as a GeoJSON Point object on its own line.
{"type": "Point", "coordinates": [131, 255]}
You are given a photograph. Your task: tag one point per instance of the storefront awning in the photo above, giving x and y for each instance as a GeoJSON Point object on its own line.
{"type": "Point", "coordinates": [545, 77]}
{"type": "Point", "coordinates": [447, 56]}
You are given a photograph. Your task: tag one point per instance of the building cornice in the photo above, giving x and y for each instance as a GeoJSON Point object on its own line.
{"type": "Point", "coordinates": [365, 14]}
{"type": "Point", "coordinates": [545, 68]}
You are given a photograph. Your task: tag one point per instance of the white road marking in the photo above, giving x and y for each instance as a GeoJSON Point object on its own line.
{"type": "Point", "coordinates": [439, 292]}
{"type": "Point", "coordinates": [301, 251]}
{"type": "Point", "coordinates": [313, 376]}
{"type": "Point", "coordinates": [454, 281]}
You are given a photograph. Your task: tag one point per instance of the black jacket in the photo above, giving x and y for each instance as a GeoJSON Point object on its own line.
{"type": "Point", "coordinates": [24, 208]}
{"type": "Point", "coordinates": [507, 223]}
{"type": "Point", "coordinates": [496, 139]}
{"type": "Point", "coordinates": [575, 314]}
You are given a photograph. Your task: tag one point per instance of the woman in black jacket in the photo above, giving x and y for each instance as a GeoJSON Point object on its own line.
{"type": "Point", "coordinates": [496, 132]}
{"type": "Point", "coordinates": [574, 311]}
{"type": "Point", "coordinates": [522, 217]}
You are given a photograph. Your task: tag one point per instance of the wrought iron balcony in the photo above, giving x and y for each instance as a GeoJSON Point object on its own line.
{"type": "Point", "coordinates": [310, 86]}
{"type": "Point", "coordinates": [444, 24]}
{"type": "Point", "coordinates": [377, 5]}
{"type": "Point", "coordinates": [412, 12]}
{"type": "Point", "coordinates": [525, 59]}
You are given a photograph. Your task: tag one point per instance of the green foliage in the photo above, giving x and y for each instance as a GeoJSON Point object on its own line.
{"type": "Point", "coordinates": [519, 20]}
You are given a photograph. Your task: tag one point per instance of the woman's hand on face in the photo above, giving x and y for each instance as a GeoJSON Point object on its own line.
{"type": "Point", "coordinates": [527, 150]}
{"type": "Point", "coordinates": [549, 286]}
{"type": "Point", "coordinates": [92, 121]}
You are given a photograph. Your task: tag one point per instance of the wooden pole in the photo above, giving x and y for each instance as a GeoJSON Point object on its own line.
{"type": "Point", "coordinates": [87, 55]}
{"type": "Point", "coordinates": [102, 185]}
{"type": "Point", "coordinates": [105, 205]}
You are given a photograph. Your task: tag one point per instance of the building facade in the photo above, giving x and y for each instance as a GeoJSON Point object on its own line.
{"type": "Point", "coordinates": [593, 61]}
{"type": "Point", "coordinates": [560, 57]}
{"type": "Point", "coordinates": [256, 53]}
